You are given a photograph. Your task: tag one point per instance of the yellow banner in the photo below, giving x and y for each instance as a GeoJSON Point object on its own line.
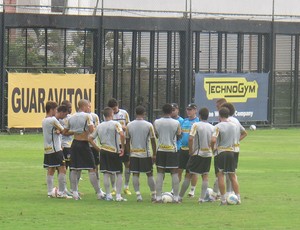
{"type": "Point", "coordinates": [28, 94]}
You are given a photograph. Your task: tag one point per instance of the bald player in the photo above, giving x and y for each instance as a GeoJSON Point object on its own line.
{"type": "Point", "coordinates": [82, 157]}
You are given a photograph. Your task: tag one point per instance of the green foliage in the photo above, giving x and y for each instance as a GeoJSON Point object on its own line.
{"type": "Point", "coordinates": [78, 49]}
{"type": "Point", "coordinates": [268, 175]}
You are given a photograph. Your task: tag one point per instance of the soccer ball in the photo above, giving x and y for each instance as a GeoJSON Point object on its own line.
{"type": "Point", "coordinates": [54, 192]}
{"type": "Point", "coordinates": [252, 127]}
{"type": "Point", "coordinates": [167, 197]}
{"type": "Point", "coordinates": [232, 199]}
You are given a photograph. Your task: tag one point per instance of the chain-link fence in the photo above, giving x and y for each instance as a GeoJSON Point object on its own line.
{"type": "Point", "coordinates": [148, 56]}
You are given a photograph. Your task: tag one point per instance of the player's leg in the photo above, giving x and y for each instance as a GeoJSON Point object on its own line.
{"type": "Point", "coordinates": [151, 184]}
{"type": "Point", "coordinates": [61, 180]}
{"type": "Point", "coordinates": [115, 166]}
{"type": "Point", "coordinates": [194, 181]}
{"type": "Point", "coordinates": [159, 183]}
{"type": "Point", "coordinates": [185, 185]}
{"type": "Point", "coordinates": [235, 185]}
{"type": "Point", "coordinates": [127, 178]}
{"type": "Point", "coordinates": [216, 183]}
{"type": "Point", "coordinates": [204, 186]}
{"type": "Point", "coordinates": [74, 183]}
{"type": "Point", "coordinates": [175, 183]}
{"type": "Point", "coordinates": [136, 185]}
{"type": "Point", "coordinates": [106, 180]}
{"type": "Point", "coordinates": [119, 181]}
{"type": "Point", "coordinates": [95, 183]}
{"type": "Point", "coordinates": [180, 171]}
{"type": "Point", "coordinates": [228, 184]}
{"type": "Point", "coordinates": [221, 185]}
{"type": "Point", "coordinates": [113, 183]}
{"type": "Point", "coordinates": [49, 179]}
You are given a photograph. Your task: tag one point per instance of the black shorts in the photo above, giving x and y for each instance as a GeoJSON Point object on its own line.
{"type": "Point", "coordinates": [198, 165]}
{"type": "Point", "coordinates": [110, 162]}
{"type": "Point", "coordinates": [141, 165]}
{"type": "Point", "coordinates": [183, 158]}
{"type": "Point", "coordinates": [81, 156]}
{"type": "Point", "coordinates": [236, 157]}
{"type": "Point", "coordinates": [167, 160]}
{"type": "Point", "coordinates": [216, 164]}
{"type": "Point", "coordinates": [54, 160]}
{"type": "Point", "coordinates": [226, 162]}
{"type": "Point", "coordinates": [96, 155]}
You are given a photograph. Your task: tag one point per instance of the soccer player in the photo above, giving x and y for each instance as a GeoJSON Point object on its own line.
{"type": "Point", "coordinates": [200, 152]}
{"type": "Point", "coordinates": [240, 136]}
{"type": "Point", "coordinates": [138, 135]}
{"type": "Point", "coordinates": [82, 157]}
{"type": "Point", "coordinates": [122, 117]}
{"type": "Point", "coordinates": [219, 103]}
{"type": "Point", "coordinates": [186, 125]}
{"type": "Point", "coordinates": [167, 129]}
{"type": "Point", "coordinates": [53, 155]}
{"type": "Point", "coordinates": [174, 115]}
{"type": "Point", "coordinates": [223, 140]}
{"type": "Point", "coordinates": [66, 140]}
{"type": "Point", "coordinates": [110, 133]}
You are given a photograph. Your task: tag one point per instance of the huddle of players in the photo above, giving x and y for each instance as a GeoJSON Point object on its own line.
{"type": "Point", "coordinates": [200, 140]}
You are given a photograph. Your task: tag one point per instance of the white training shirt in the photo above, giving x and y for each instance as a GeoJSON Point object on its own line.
{"type": "Point", "coordinates": [79, 122]}
{"type": "Point", "coordinates": [226, 133]}
{"type": "Point", "coordinates": [140, 132]}
{"type": "Point", "coordinates": [167, 129]}
{"type": "Point", "coordinates": [108, 133]}
{"type": "Point", "coordinates": [122, 117]}
{"type": "Point", "coordinates": [202, 133]}
{"type": "Point", "coordinates": [52, 141]}
{"type": "Point", "coordinates": [66, 141]}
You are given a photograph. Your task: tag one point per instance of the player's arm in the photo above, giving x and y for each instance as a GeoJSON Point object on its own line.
{"type": "Point", "coordinates": [91, 139]}
{"type": "Point", "coordinates": [153, 144]}
{"type": "Point", "coordinates": [213, 143]}
{"type": "Point", "coordinates": [90, 123]}
{"type": "Point", "coordinates": [191, 139]}
{"type": "Point", "coordinates": [122, 138]}
{"type": "Point", "coordinates": [191, 144]}
{"type": "Point", "coordinates": [58, 127]}
{"type": "Point", "coordinates": [243, 133]}
{"type": "Point", "coordinates": [213, 140]}
{"type": "Point", "coordinates": [119, 130]}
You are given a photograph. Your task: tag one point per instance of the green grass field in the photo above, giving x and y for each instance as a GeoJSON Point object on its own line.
{"type": "Point", "coordinates": [268, 173]}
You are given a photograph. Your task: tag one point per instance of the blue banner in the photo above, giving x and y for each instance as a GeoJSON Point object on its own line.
{"type": "Point", "coordinates": [247, 92]}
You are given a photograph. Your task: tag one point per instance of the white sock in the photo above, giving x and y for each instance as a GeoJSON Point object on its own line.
{"type": "Point", "coordinates": [49, 184]}
{"type": "Point", "coordinates": [119, 182]}
{"type": "Point", "coordinates": [159, 184]}
{"type": "Point", "coordinates": [61, 183]}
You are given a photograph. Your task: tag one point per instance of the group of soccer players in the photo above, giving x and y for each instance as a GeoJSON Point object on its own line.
{"type": "Point", "coordinates": [80, 142]}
